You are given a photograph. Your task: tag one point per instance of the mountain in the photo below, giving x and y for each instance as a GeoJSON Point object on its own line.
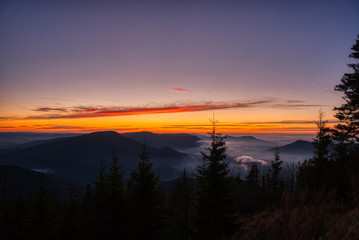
{"type": "Point", "coordinates": [297, 147]}
{"type": "Point", "coordinates": [78, 158]}
{"type": "Point", "coordinates": [178, 140]}
{"type": "Point", "coordinates": [16, 139]}
{"type": "Point", "coordinates": [247, 139]}
{"type": "Point", "coordinates": [23, 182]}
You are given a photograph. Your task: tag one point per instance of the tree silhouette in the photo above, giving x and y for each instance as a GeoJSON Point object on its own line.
{"type": "Point", "coordinates": [346, 133]}
{"type": "Point", "coordinates": [116, 201]}
{"type": "Point", "coordinates": [348, 113]}
{"type": "Point", "coordinates": [316, 173]}
{"type": "Point", "coordinates": [147, 200]}
{"type": "Point", "coordinates": [41, 223]}
{"type": "Point", "coordinates": [183, 206]}
{"type": "Point", "coordinates": [216, 212]}
{"type": "Point", "coordinates": [250, 199]}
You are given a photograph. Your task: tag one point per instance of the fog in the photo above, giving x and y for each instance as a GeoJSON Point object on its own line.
{"type": "Point", "coordinates": [243, 152]}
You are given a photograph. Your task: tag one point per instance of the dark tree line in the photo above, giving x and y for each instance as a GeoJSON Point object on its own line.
{"type": "Point", "coordinates": [335, 163]}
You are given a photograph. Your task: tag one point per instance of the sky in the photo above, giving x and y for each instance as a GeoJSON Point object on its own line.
{"type": "Point", "coordinates": [172, 66]}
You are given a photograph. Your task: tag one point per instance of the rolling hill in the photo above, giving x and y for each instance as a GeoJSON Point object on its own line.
{"type": "Point", "coordinates": [179, 140]}
{"type": "Point", "coordinates": [78, 158]}
{"type": "Point", "coordinates": [297, 147]}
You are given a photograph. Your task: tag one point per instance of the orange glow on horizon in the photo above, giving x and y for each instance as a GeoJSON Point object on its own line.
{"type": "Point", "coordinates": [156, 127]}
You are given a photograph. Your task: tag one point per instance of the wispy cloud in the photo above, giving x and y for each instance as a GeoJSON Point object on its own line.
{"type": "Point", "coordinates": [67, 128]}
{"type": "Point", "coordinates": [48, 109]}
{"type": "Point", "coordinates": [83, 111]}
{"type": "Point", "coordinates": [90, 112]}
{"type": "Point", "coordinates": [178, 90]}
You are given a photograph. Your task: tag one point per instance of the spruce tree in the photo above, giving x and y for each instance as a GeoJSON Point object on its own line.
{"type": "Point", "coordinates": [116, 201]}
{"type": "Point", "coordinates": [346, 134]}
{"type": "Point", "coordinates": [276, 167]}
{"type": "Point", "coordinates": [71, 219]}
{"type": "Point", "coordinates": [276, 185]}
{"type": "Point", "coordinates": [348, 113]}
{"type": "Point", "coordinates": [216, 212]}
{"type": "Point", "coordinates": [183, 206]}
{"type": "Point", "coordinates": [322, 141]}
{"type": "Point", "coordinates": [41, 223]}
{"type": "Point", "coordinates": [251, 200]}
{"type": "Point", "coordinates": [97, 222]}
{"type": "Point", "coordinates": [147, 200]}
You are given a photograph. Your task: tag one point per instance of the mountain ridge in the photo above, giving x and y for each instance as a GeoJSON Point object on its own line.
{"type": "Point", "coordinates": [78, 158]}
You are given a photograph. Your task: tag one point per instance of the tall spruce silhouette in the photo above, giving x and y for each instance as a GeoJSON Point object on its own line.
{"type": "Point", "coordinates": [348, 113]}
{"type": "Point", "coordinates": [316, 173]}
{"type": "Point", "coordinates": [147, 200]}
{"type": "Point", "coordinates": [346, 133]}
{"type": "Point", "coordinates": [216, 210]}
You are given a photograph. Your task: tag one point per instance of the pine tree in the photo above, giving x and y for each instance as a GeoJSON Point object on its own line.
{"type": "Point", "coordinates": [116, 201]}
{"type": "Point", "coordinates": [71, 219]}
{"type": "Point", "coordinates": [318, 173]}
{"type": "Point", "coordinates": [216, 212]}
{"type": "Point", "coordinates": [276, 167]}
{"type": "Point", "coordinates": [348, 113]}
{"type": "Point", "coordinates": [322, 141]}
{"type": "Point", "coordinates": [346, 134]}
{"type": "Point", "coordinates": [183, 206]}
{"type": "Point", "coordinates": [275, 181]}
{"type": "Point", "coordinates": [147, 200]}
{"type": "Point", "coordinates": [40, 224]}
{"type": "Point", "coordinates": [251, 199]}
{"type": "Point", "coordinates": [97, 219]}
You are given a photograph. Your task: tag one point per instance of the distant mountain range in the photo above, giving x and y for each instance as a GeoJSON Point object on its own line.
{"type": "Point", "coordinates": [297, 147]}
{"type": "Point", "coordinates": [78, 158]}
{"type": "Point", "coordinates": [248, 139]}
{"type": "Point", "coordinates": [15, 139]}
{"type": "Point", "coordinates": [178, 140]}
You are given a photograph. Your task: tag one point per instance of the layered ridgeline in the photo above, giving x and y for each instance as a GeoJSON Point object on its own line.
{"type": "Point", "coordinates": [78, 158]}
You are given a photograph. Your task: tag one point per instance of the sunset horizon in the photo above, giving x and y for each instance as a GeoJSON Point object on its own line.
{"type": "Point", "coordinates": [165, 68]}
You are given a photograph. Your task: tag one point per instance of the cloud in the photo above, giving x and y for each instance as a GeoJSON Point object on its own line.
{"type": "Point", "coordinates": [177, 107]}
{"type": "Point", "coordinates": [178, 90]}
{"type": "Point", "coordinates": [59, 127]}
{"type": "Point", "coordinates": [48, 109]}
{"type": "Point", "coordinates": [297, 105]}
{"type": "Point", "coordinates": [90, 112]}
{"type": "Point", "coordinates": [7, 118]}
{"type": "Point", "coordinates": [295, 101]}
{"type": "Point", "coordinates": [67, 128]}
{"type": "Point", "coordinates": [248, 160]}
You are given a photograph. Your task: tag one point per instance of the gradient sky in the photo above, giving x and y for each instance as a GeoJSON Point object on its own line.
{"type": "Point", "coordinates": [166, 66]}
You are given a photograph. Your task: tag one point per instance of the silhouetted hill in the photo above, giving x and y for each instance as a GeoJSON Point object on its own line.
{"type": "Point", "coordinates": [297, 147]}
{"type": "Point", "coordinates": [247, 139]}
{"type": "Point", "coordinates": [24, 182]}
{"type": "Point", "coordinates": [18, 139]}
{"type": "Point", "coordinates": [178, 140]}
{"type": "Point", "coordinates": [29, 144]}
{"type": "Point", "coordinates": [78, 158]}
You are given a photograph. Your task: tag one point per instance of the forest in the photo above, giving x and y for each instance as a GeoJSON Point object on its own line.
{"type": "Point", "coordinates": [318, 200]}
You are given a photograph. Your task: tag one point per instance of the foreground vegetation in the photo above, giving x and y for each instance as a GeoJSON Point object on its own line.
{"type": "Point", "coordinates": [318, 200]}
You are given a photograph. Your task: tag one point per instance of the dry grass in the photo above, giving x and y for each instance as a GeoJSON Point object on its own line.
{"type": "Point", "coordinates": [319, 218]}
